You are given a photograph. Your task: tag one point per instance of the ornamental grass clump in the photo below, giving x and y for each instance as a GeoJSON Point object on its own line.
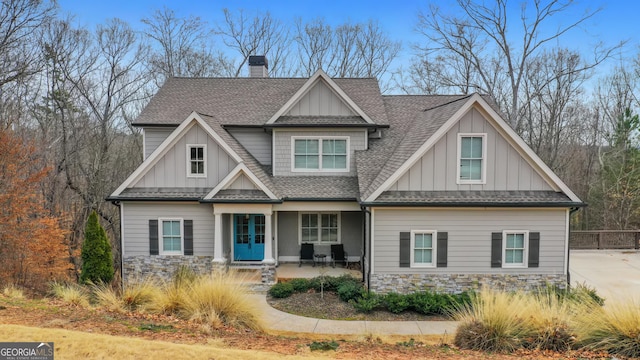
{"type": "Point", "coordinates": [219, 299]}
{"type": "Point", "coordinates": [549, 317]}
{"type": "Point", "coordinates": [71, 294]}
{"type": "Point", "coordinates": [136, 296]}
{"type": "Point", "coordinates": [494, 321]}
{"type": "Point", "coordinates": [614, 328]}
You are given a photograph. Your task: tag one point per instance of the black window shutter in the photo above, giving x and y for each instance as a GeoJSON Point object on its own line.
{"type": "Point", "coordinates": [153, 237]}
{"type": "Point", "coordinates": [188, 237]}
{"type": "Point", "coordinates": [496, 249]}
{"type": "Point", "coordinates": [534, 249]}
{"type": "Point", "coordinates": [442, 249]}
{"type": "Point", "coordinates": [405, 249]}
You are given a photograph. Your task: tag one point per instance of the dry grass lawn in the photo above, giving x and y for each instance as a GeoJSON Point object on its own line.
{"type": "Point", "coordinates": [80, 345]}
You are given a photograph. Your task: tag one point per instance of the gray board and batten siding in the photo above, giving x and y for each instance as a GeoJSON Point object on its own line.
{"type": "Point", "coordinates": [320, 101]}
{"type": "Point", "coordinates": [469, 237]}
{"type": "Point", "coordinates": [153, 137]}
{"type": "Point", "coordinates": [170, 171]}
{"type": "Point", "coordinates": [506, 168]}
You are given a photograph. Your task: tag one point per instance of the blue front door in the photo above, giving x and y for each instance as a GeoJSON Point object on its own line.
{"type": "Point", "coordinates": [248, 235]}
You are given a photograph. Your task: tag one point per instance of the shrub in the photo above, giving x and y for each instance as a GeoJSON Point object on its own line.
{"type": "Point", "coordinates": [281, 290]}
{"type": "Point", "coordinates": [97, 264]}
{"type": "Point", "coordinates": [493, 321]}
{"type": "Point", "coordinates": [300, 285]}
{"type": "Point", "coordinates": [332, 283]}
{"type": "Point", "coordinates": [614, 328]}
{"type": "Point", "coordinates": [70, 294]}
{"type": "Point", "coordinates": [324, 345]}
{"type": "Point", "coordinates": [219, 299]}
{"type": "Point", "coordinates": [428, 303]}
{"type": "Point", "coordinates": [396, 303]}
{"type": "Point", "coordinates": [349, 291]}
{"type": "Point", "coordinates": [366, 302]}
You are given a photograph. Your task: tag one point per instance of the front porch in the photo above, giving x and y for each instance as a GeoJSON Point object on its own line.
{"type": "Point", "coordinates": [289, 271]}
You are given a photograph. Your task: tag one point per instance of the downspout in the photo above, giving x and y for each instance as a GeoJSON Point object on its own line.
{"type": "Point", "coordinates": [365, 212]}
{"type": "Point", "coordinates": [571, 211]}
{"type": "Point", "coordinates": [117, 203]}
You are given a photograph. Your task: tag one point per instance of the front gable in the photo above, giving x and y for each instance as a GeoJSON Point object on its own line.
{"type": "Point", "coordinates": [172, 169]}
{"type": "Point", "coordinates": [320, 96]}
{"type": "Point", "coordinates": [506, 169]}
{"type": "Point", "coordinates": [433, 169]}
{"type": "Point", "coordinates": [166, 167]}
{"type": "Point", "coordinates": [320, 100]}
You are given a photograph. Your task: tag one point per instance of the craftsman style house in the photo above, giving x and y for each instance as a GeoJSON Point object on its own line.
{"type": "Point", "coordinates": [423, 191]}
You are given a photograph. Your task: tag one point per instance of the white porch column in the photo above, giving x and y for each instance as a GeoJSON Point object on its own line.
{"type": "Point", "coordinates": [268, 239]}
{"type": "Point", "coordinates": [218, 256]}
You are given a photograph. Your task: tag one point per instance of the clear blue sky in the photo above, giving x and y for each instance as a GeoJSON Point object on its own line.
{"type": "Point", "coordinates": [617, 21]}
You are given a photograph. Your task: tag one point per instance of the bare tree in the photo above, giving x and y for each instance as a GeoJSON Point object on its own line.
{"type": "Point", "coordinates": [179, 46]}
{"type": "Point", "coordinates": [349, 50]}
{"type": "Point", "coordinates": [20, 57]}
{"type": "Point", "coordinates": [257, 35]}
{"type": "Point", "coordinates": [481, 38]}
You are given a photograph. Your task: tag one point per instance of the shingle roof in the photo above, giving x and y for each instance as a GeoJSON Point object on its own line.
{"type": "Point", "coordinates": [321, 121]}
{"type": "Point", "coordinates": [317, 187]}
{"type": "Point", "coordinates": [476, 198]}
{"type": "Point", "coordinates": [232, 195]}
{"type": "Point", "coordinates": [245, 101]}
{"type": "Point", "coordinates": [163, 193]}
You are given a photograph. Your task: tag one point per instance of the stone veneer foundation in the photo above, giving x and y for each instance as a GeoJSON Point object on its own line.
{"type": "Point", "coordinates": [457, 283]}
{"type": "Point", "coordinates": [135, 268]}
{"type": "Point", "coordinates": [161, 267]}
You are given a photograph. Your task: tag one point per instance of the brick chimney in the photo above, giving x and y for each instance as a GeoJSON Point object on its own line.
{"type": "Point", "coordinates": [258, 66]}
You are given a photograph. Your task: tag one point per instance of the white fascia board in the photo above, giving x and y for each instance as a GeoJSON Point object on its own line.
{"type": "Point", "coordinates": [308, 85]}
{"type": "Point", "coordinates": [163, 148]}
{"type": "Point", "coordinates": [240, 169]}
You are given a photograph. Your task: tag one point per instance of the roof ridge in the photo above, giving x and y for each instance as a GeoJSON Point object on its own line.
{"type": "Point", "coordinates": [449, 102]}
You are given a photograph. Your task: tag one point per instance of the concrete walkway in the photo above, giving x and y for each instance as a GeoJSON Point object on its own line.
{"type": "Point", "coordinates": [280, 321]}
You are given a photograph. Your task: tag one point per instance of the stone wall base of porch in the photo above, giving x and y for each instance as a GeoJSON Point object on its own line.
{"type": "Point", "coordinates": [269, 276]}
{"type": "Point", "coordinates": [457, 283]}
{"type": "Point", "coordinates": [137, 268]}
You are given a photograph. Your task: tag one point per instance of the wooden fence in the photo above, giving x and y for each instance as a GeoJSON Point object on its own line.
{"type": "Point", "coordinates": [604, 239]}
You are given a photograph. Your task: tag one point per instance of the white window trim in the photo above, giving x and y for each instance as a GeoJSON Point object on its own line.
{"type": "Point", "coordinates": [434, 245]}
{"type": "Point", "coordinates": [320, 168]}
{"type": "Point", "coordinates": [483, 179]}
{"type": "Point", "coordinates": [204, 159]}
{"type": "Point", "coordinates": [319, 214]}
{"type": "Point", "coordinates": [161, 237]}
{"type": "Point", "coordinates": [525, 255]}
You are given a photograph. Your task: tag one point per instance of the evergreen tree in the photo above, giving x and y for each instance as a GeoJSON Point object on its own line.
{"type": "Point", "coordinates": [97, 264]}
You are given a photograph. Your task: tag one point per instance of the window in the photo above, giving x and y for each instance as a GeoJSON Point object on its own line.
{"type": "Point", "coordinates": [423, 249]}
{"type": "Point", "coordinates": [319, 228]}
{"type": "Point", "coordinates": [514, 253]}
{"type": "Point", "coordinates": [471, 162]}
{"type": "Point", "coordinates": [320, 154]}
{"type": "Point", "coordinates": [170, 236]}
{"type": "Point", "coordinates": [196, 164]}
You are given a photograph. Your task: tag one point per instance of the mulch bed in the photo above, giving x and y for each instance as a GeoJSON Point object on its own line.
{"type": "Point", "coordinates": [329, 306]}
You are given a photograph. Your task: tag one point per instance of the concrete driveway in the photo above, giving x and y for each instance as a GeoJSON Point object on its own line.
{"type": "Point", "coordinates": [614, 273]}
